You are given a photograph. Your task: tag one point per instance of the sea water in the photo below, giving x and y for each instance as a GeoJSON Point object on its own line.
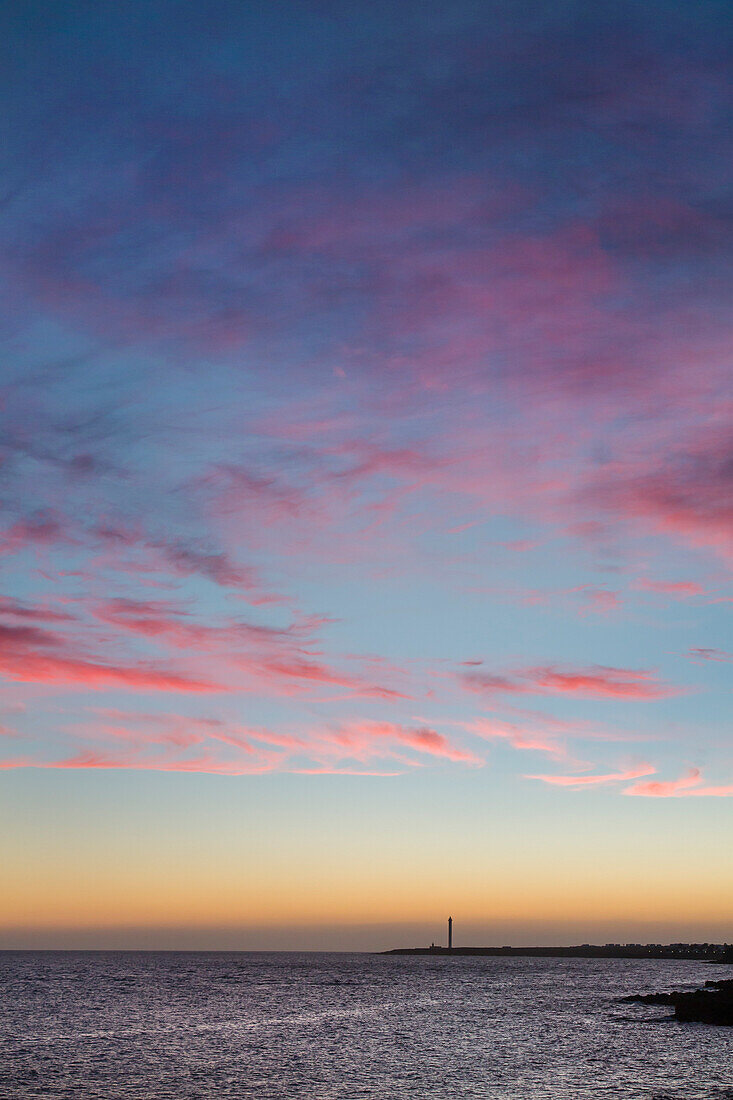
{"type": "Point", "coordinates": [174, 1026]}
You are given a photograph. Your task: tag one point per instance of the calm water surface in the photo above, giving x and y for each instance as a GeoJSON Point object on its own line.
{"type": "Point", "coordinates": [160, 1026]}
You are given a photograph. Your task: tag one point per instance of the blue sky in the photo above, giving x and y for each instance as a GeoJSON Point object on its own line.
{"type": "Point", "coordinates": [365, 472]}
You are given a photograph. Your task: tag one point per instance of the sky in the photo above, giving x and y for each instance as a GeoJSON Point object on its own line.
{"type": "Point", "coordinates": [365, 473]}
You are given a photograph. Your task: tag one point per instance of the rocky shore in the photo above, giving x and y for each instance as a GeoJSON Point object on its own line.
{"type": "Point", "coordinates": [711, 1005]}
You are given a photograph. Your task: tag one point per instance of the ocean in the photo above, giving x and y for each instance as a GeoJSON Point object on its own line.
{"type": "Point", "coordinates": [319, 1026]}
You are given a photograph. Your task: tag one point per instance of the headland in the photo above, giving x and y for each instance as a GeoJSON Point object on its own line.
{"type": "Point", "coordinates": [703, 952]}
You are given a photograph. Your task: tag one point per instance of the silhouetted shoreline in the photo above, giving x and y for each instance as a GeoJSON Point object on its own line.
{"type": "Point", "coordinates": [704, 952]}
{"type": "Point", "coordinates": [711, 1005]}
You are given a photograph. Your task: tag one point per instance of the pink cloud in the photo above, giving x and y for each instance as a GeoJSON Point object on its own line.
{"type": "Point", "coordinates": [592, 598]}
{"type": "Point", "coordinates": [268, 497]}
{"type": "Point", "coordinates": [277, 660]}
{"type": "Point", "coordinates": [175, 625]}
{"type": "Point", "coordinates": [204, 763]}
{"type": "Point", "coordinates": [297, 670]}
{"type": "Point", "coordinates": [600, 600]}
{"type": "Point", "coordinates": [37, 612]}
{"type": "Point", "coordinates": [577, 782]}
{"type": "Point", "coordinates": [181, 736]}
{"type": "Point", "coordinates": [521, 546]}
{"type": "Point", "coordinates": [595, 682]}
{"type": "Point", "coordinates": [31, 655]}
{"type": "Point", "coordinates": [177, 731]}
{"type": "Point", "coordinates": [69, 672]}
{"type": "Point", "coordinates": [518, 738]}
{"type": "Point", "coordinates": [600, 682]}
{"type": "Point", "coordinates": [681, 589]}
{"type": "Point", "coordinates": [324, 769]}
{"type": "Point", "coordinates": [18, 762]}
{"type": "Point", "coordinates": [160, 742]}
{"type": "Point", "coordinates": [365, 736]}
{"type": "Point", "coordinates": [689, 785]}
{"type": "Point", "coordinates": [43, 529]}
{"type": "Point", "coordinates": [524, 319]}
{"type": "Point", "coordinates": [185, 559]}
{"type": "Point", "coordinates": [427, 740]}
{"type": "Point", "coordinates": [684, 494]}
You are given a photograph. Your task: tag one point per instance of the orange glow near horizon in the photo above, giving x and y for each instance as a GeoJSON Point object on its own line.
{"type": "Point", "coordinates": [291, 893]}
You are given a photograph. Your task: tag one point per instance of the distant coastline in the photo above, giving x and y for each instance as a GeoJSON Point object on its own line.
{"type": "Point", "coordinates": [703, 952]}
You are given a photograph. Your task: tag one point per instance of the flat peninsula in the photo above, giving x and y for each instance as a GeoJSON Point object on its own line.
{"type": "Point", "coordinates": [703, 952]}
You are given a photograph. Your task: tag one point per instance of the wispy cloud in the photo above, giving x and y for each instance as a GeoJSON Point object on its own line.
{"type": "Point", "coordinates": [535, 740]}
{"type": "Point", "coordinates": [676, 589]}
{"type": "Point", "coordinates": [689, 785]}
{"type": "Point", "coordinates": [702, 653]}
{"type": "Point", "coordinates": [31, 655]}
{"type": "Point", "coordinates": [579, 782]}
{"type": "Point", "coordinates": [595, 682]}
{"type": "Point", "coordinates": [369, 362]}
{"type": "Point", "coordinates": [112, 738]}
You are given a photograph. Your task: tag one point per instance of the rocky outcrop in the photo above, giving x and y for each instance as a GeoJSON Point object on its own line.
{"type": "Point", "coordinates": [648, 999]}
{"type": "Point", "coordinates": [711, 1005]}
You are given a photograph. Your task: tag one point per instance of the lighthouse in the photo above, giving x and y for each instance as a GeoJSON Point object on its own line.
{"type": "Point", "coordinates": [450, 933]}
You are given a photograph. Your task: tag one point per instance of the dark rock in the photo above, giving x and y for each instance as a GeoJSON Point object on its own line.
{"type": "Point", "coordinates": [711, 1005]}
{"type": "Point", "coordinates": [706, 1006]}
{"type": "Point", "coordinates": [648, 998]}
